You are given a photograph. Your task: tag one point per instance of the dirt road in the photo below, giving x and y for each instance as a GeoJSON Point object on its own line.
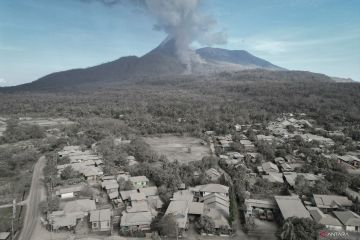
{"type": "Point", "coordinates": [36, 195]}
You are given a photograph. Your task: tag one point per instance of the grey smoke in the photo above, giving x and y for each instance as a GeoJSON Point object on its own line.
{"type": "Point", "coordinates": [181, 20]}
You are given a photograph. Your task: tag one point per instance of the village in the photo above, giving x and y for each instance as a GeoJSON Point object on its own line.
{"type": "Point", "coordinates": [253, 180]}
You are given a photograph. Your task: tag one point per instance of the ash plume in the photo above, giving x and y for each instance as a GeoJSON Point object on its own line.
{"type": "Point", "coordinates": [181, 20]}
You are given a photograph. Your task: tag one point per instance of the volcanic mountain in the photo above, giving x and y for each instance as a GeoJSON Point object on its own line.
{"type": "Point", "coordinates": [161, 61]}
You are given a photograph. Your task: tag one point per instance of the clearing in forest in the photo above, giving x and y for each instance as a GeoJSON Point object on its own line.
{"type": "Point", "coordinates": [183, 149]}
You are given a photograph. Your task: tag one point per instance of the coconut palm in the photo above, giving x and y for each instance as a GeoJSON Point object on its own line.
{"type": "Point", "coordinates": [288, 230]}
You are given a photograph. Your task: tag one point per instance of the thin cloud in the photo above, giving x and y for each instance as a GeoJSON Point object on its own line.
{"type": "Point", "coordinates": [275, 47]}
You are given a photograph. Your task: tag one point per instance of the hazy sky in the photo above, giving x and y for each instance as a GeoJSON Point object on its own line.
{"type": "Point", "coordinates": [38, 37]}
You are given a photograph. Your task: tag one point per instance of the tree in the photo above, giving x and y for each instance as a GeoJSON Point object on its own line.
{"type": "Point", "coordinates": [299, 229]}
{"type": "Point", "coordinates": [288, 231]}
{"type": "Point", "coordinates": [356, 206]}
{"type": "Point", "coordinates": [205, 224]}
{"type": "Point", "coordinates": [233, 209]}
{"type": "Point", "coordinates": [291, 128]}
{"type": "Point", "coordinates": [69, 173]}
{"type": "Point", "coordinates": [302, 186]}
{"type": "Point", "coordinates": [168, 226]}
{"type": "Point", "coordinates": [339, 181]}
{"type": "Point", "coordinates": [128, 185]}
{"type": "Point", "coordinates": [321, 187]}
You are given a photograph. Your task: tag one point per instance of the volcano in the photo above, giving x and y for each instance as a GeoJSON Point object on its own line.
{"type": "Point", "coordinates": [161, 61]}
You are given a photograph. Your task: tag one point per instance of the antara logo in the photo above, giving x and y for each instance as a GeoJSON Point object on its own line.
{"type": "Point", "coordinates": [325, 234]}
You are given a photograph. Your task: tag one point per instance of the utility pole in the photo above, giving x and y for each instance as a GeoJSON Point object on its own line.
{"type": "Point", "coordinates": [13, 219]}
{"type": "Point", "coordinates": [50, 205]}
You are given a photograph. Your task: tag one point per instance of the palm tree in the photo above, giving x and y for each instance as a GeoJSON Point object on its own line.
{"type": "Point", "coordinates": [288, 230]}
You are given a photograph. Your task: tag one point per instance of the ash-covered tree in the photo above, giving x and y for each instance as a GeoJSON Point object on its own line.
{"type": "Point", "coordinates": [299, 229]}
{"type": "Point", "coordinates": [233, 208]}
{"type": "Point", "coordinates": [69, 173]}
{"type": "Point", "coordinates": [168, 226]}
{"type": "Point", "coordinates": [302, 186]}
{"type": "Point", "coordinates": [205, 224]}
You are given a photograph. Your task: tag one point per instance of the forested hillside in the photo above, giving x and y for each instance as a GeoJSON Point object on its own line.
{"type": "Point", "coordinates": [191, 104]}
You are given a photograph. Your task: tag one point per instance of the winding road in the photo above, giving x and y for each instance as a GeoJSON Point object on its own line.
{"type": "Point", "coordinates": [36, 195]}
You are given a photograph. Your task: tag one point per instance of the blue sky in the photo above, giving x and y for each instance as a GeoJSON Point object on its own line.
{"type": "Point", "coordinates": [38, 37]}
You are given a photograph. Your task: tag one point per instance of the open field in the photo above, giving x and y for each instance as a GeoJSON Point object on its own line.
{"type": "Point", "coordinates": [183, 149]}
{"type": "Point", "coordinates": [46, 122]}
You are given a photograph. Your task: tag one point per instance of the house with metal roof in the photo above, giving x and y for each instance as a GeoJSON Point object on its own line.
{"type": "Point", "coordinates": [350, 220]}
{"type": "Point", "coordinates": [291, 206]}
{"type": "Point", "coordinates": [269, 167]}
{"type": "Point", "coordinates": [139, 181]}
{"type": "Point", "coordinates": [331, 202]}
{"type": "Point", "coordinates": [207, 189]}
{"type": "Point", "coordinates": [100, 220]}
{"type": "Point", "coordinates": [327, 220]}
{"type": "Point", "coordinates": [69, 192]}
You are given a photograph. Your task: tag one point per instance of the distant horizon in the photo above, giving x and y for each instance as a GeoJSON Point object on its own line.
{"type": "Point", "coordinates": [39, 37]}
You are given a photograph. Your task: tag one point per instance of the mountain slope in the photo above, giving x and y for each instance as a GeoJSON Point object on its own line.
{"type": "Point", "coordinates": [161, 61]}
{"type": "Point", "coordinates": [239, 57]}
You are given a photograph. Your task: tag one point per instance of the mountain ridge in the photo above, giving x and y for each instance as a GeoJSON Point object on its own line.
{"type": "Point", "coordinates": [163, 60]}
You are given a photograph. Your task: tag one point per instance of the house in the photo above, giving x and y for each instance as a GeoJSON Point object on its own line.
{"type": "Point", "coordinates": [235, 155]}
{"type": "Point", "coordinates": [110, 185]}
{"type": "Point", "coordinates": [136, 221]}
{"type": "Point", "coordinates": [4, 235]}
{"type": "Point", "coordinates": [149, 191]}
{"type": "Point", "coordinates": [329, 221]}
{"type": "Point", "coordinates": [183, 208]}
{"type": "Point", "coordinates": [268, 167]}
{"type": "Point", "coordinates": [139, 181]}
{"type": "Point", "coordinates": [265, 138]}
{"type": "Point", "coordinates": [138, 216]}
{"type": "Point", "coordinates": [259, 206]}
{"type": "Point", "coordinates": [61, 220]}
{"type": "Point", "coordinates": [196, 208]}
{"type": "Point", "coordinates": [349, 219]}
{"type": "Point", "coordinates": [91, 173]}
{"type": "Point", "coordinates": [247, 145]}
{"type": "Point", "coordinates": [274, 177]}
{"type": "Point", "coordinates": [315, 138]}
{"type": "Point", "coordinates": [328, 203]}
{"type": "Point", "coordinates": [216, 206]}
{"type": "Point", "coordinates": [180, 209]}
{"type": "Point", "coordinates": [291, 206]}
{"type": "Point", "coordinates": [100, 220]}
{"type": "Point", "coordinates": [207, 189]}
{"type": "Point", "coordinates": [290, 177]}
{"type": "Point", "coordinates": [114, 196]}
{"type": "Point", "coordinates": [225, 144]}
{"type": "Point", "coordinates": [213, 174]}
{"type": "Point", "coordinates": [351, 160]}
{"type": "Point", "coordinates": [137, 197]}
{"type": "Point", "coordinates": [69, 192]}
{"type": "Point", "coordinates": [218, 201]}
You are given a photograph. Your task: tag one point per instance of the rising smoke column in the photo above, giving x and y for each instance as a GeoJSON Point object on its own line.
{"type": "Point", "coordinates": [181, 20]}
